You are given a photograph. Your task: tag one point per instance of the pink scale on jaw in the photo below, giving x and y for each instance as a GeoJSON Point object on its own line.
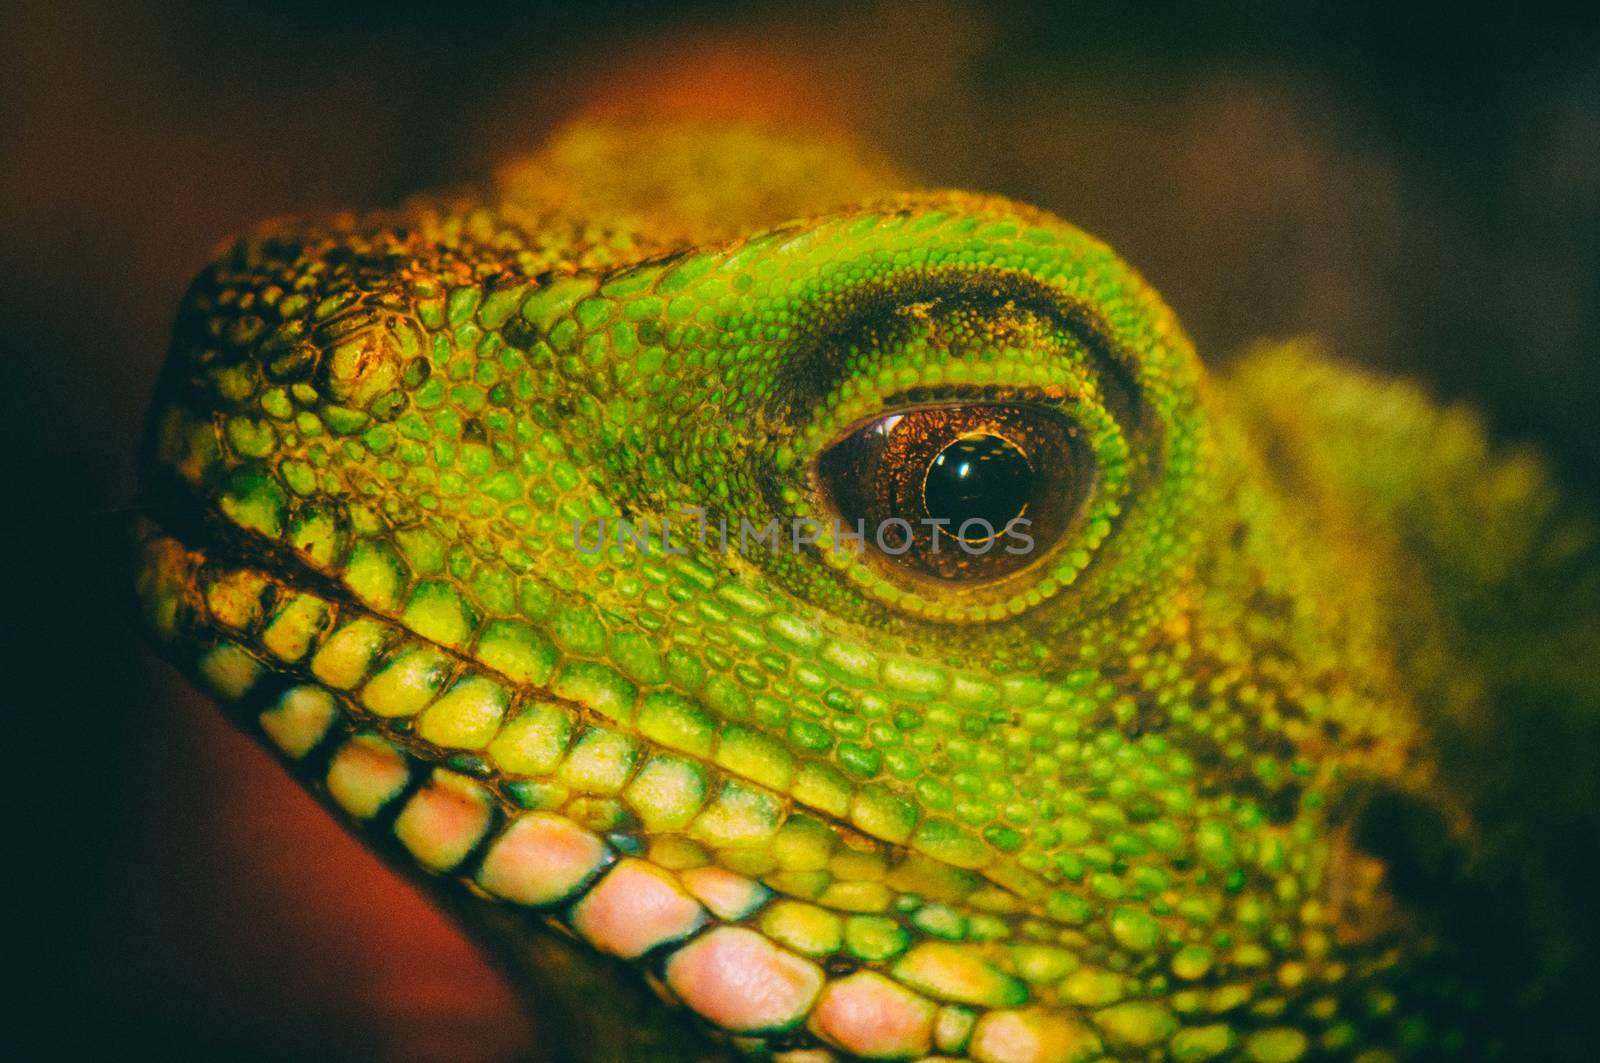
{"type": "Point", "coordinates": [299, 719]}
{"type": "Point", "coordinates": [541, 859]}
{"type": "Point", "coordinates": [742, 982]}
{"type": "Point", "coordinates": [871, 1016]}
{"type": "Point", "coordinates": [729, 895]}
{"type": "Point", "coordinates": [365, 775]}
{"type": "Point", "coordinates": [1031, 1035]}
{"type": "Point", "coordinates": [445, 819]}
{"type": "Point", "coordinates": [635, 908]}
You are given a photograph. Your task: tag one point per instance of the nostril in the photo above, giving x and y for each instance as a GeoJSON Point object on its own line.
{"type": "Point", "coordinates": [361, 367]}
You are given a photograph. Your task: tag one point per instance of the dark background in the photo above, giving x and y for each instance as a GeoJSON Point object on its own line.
{"type": "Point", "coordinates": [1420, 187]}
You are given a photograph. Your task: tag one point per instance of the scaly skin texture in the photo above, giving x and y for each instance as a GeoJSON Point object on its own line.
{"type": "Point", "coordinates": [1209, 777]}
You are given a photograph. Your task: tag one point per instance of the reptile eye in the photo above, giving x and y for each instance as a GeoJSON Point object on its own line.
{"type": "Point", "coordinates": [964, 493]}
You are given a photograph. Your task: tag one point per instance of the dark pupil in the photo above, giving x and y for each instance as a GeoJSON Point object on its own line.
{"type": "Point", "coordinates": [983, 477]}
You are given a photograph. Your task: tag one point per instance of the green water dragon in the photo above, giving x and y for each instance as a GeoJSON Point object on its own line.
{"type": "Point", "coordinates": [782, 612]}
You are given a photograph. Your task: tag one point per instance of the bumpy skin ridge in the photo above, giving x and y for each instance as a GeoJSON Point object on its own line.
{"type": "Point", "coordinates": [1174, 791]}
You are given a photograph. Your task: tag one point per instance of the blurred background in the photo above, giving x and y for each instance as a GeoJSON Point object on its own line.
{"type": "Point", "coordinates": [1420, 188]}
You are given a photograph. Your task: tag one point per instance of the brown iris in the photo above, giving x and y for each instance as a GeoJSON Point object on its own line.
{"type": "Point", "coordinates": [959, 492]}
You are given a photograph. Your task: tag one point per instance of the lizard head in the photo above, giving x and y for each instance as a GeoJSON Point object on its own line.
{"type": "Point", "coordinates": [870, 627]}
